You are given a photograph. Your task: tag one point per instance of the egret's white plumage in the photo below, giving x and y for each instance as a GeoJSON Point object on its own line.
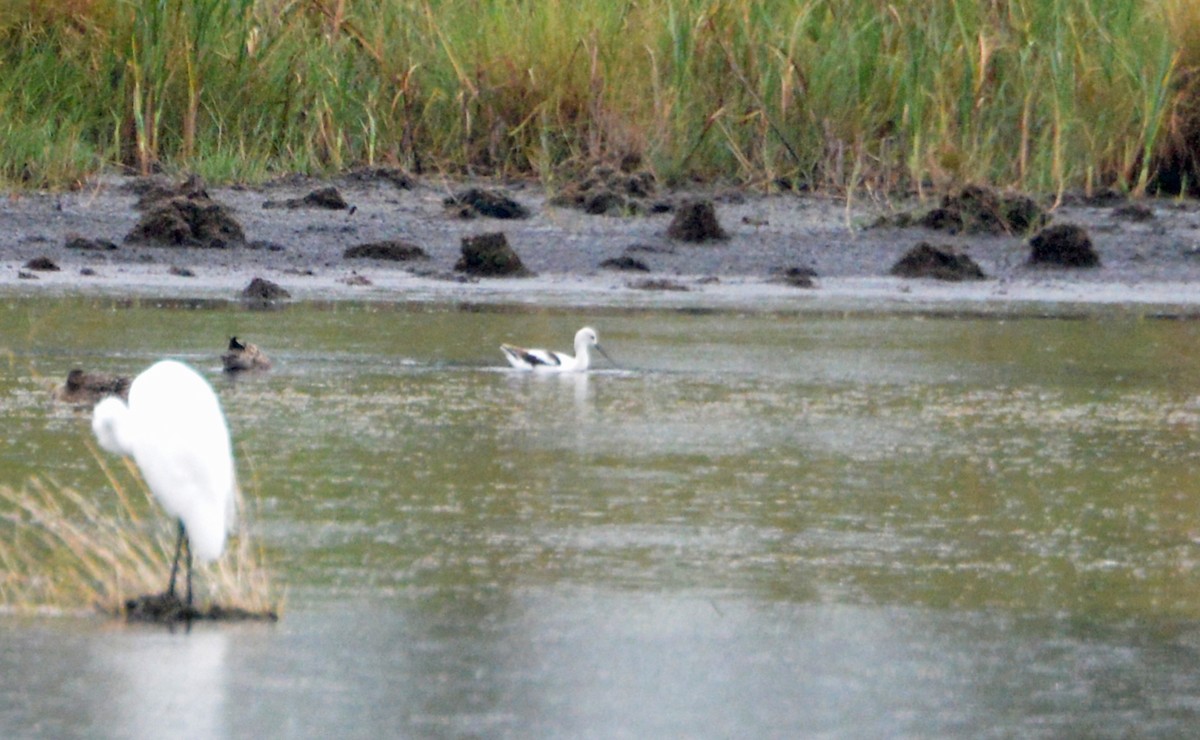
{"type": "Point", "coordinates": [544, 360]}
{"type": "Point", "coordinates": [175, 431]}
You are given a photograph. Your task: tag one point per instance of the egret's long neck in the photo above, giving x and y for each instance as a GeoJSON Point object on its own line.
{"type": "Point", "coordinates": [582, 358]}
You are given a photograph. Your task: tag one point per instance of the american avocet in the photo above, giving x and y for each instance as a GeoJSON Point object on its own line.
{"type": "Point", "coordinates": [175, 431]}
{"type": "Point", "coordinates": [84, 387]}
{"type": "Point", "coordinates": [543, 360]}
{"type": "Point", "coordinates": [244, 357]}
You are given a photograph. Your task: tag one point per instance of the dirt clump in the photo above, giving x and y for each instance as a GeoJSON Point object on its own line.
{"type": "Point", "coordinates": [797, 277]}
{"type": "Point", "coordinates": [696, 221]}
{"type": "Point", "coordinates": [625, 263]}
{"type": "Point", "coordinates": [609, 190]}
{"type": "Point", "coordinates": [329, 198]}
{"type": "Point", "coordinates": [480, 202]}
{"type": "Point", "coordinates": [489, 255]}
{"type": "Point", "coordinates": [82, 243]}
{"type": "Point", "coordinates": [85, 388]}
{"type": "Point", "coordinates": [1063, 245]}
{"type": "Point", "coordinates": [392, 250]}
{"type": "Point", "coordinates": [1135, 212]}
{"type": "Point", "coordinates": [261, 289]}
{"type": "Point", "coordinates": [974, 209]}
{"type": "Point", "coordinates": [400, 179]}
{"type": "Point", "coordinates": [243, 356]}
{"type": "Point", "coordinates": [186, 217]}
{"type": "Point", "coordinates": [938, 262]}
{"type": "Point", "coordinates": [663, 284]}
{"type": "Point", "coordinates": [42, 264]}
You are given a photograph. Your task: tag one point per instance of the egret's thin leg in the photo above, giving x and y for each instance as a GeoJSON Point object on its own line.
{"type": "Point", "coordinates": [189, 574]}
{"type": "Point", "coordinates": [175, 562]}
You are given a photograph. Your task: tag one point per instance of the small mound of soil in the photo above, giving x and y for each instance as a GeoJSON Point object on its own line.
{"type": "Point", "coordinates": [88, 388]}
{"type": "Point", "coordinates": [152, 191]}
{"type": "Point", "coordinates": [76, 241]}
{"type": "Point", "coordinates": [696, 221]}
{"type": "Point", "coordinates": [1063, 245]}
{"type": "Point", "coordinates": [396, 176]}
{"type": "Point", "coordinates": [1135, 212]}
{"type": "Point", "coordinates": [978, 210]}
{"type": "Point", "coordinates": [328, 198]}
{"type": "Point", "coordinates": [261, 289]}
{"type": "Point", "coordinates": [189, 220]}
{"type": "Point", "coordinates": [938, 262]}
{"type": "Point", "coordinates": [393, 250]}
{"type": "Point", "coordinates": [608, 190]}
{"type": "Point", "coordinates": [490, 203]}
{"type": "Point", "coordinates": [488, 255]}
{"type": "Point", "coordinates": [43, 264]}
{"type": "Point", "coordinates": [626, 263]}
{"type": "Point", "coordinates": [659, 284]}
{"type": "Point", "coordinates": [356, 280]}
{"type": "Point", "coordinates": [797, 277]}
{"type": "Point", "coordinates": [170, 609]}
{"type": "Point", "coordinates": [239, 357]}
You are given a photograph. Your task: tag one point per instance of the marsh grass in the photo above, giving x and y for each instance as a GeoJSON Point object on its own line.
{"type": "Point", "coordinates": [844, 94]}
{"type": "Point", "coordinates": [64, 552]}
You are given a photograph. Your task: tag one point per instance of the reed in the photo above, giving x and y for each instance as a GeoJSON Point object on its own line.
{"type": "Point", "coordinates": [64, 552]}
{"type": "Point", "coordinates": [1042, 95]}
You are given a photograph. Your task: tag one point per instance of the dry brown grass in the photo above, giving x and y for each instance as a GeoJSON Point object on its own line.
{"type": "Point", "coordinates": [64, 552]}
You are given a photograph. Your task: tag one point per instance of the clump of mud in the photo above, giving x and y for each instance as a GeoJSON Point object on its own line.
{"type": "Point", "coordinates": [392, 250]}
{"type": "Point", "coordinates": [185, 217]}
{"type": "Point", "coordinates": [1063, 245]}
{"type": "Point", "coordinates": [169, 609]}
{"type": "Point", "coordinates": [82, 243]}
{"type": "Point", "coordinates": [491, 203]}
{"type": "Point", "coordinates": [608, 190]}
{"type": "Point", "coordinates": [244, 356]}
{"type": "Point", "coordinates": [489, 255]}
{"type": "Point", "coordinates": [400, 179]}
{"type": "Point", "coordinates": [329, 198]}
{"type": "Point", "coordinates": [625, 263]}
{"type": "Point", "coordinates": [974, 209]}
{"type": "Point", "coordinates": [797, 277]}
{"type": "Point", "coordinates": [42, 264]}
{"type": "Point", "coordinates": [696, 221]}
{"type": "Point", "coordinates": [261, 289]}
{"type": "Point", "coordinates": [662, 284]}
{"type": "Point", "coordinates": [938, 262]}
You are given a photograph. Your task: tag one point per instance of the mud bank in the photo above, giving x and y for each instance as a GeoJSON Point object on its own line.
{"type": "Point", "coordinates": [1149, 251]}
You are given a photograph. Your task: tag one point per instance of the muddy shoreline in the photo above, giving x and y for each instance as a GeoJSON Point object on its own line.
{"type": "Point", "coordinates": [1150, 262]}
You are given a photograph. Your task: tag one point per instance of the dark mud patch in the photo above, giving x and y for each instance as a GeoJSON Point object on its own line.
{"type": "Point", "coordinates": [976, 210]}
{"type": "Point", "coordinates": [1063, 245]}
{"type": "Point", "coordinates": [1133, 212]}
{"type": "Point", "coordinates": [329, 199]}
{"type": "Point", "coordinates": [661, 284]}
{"type": "Point", "coordinates": [42, 264]}
{"type": "Point", "coordinates": [263, 290]}
{"type": "Point", "coordinates": [397, 177]}
{"type": "Point", "coordinates": [84, 244]}
{"type": "Point", "coordinates": [938, 262]}
{"type": "Point", "coordinates": [625, 263]}
{"type": "Point", "coordinates": [489, 255]}
{"type": "Point", "coordinates": [609, 190]}
{"type": "Point", "coordinates": [169, 609]}
{"type": "Point", "coordinates": [696, 222]}
{"type": "Point", "coordinates": [191, 220]}
{"type": "Point", "coordinates": [480, 202]}
{"type": "Point", "coordinates": [797, 277]}
{"type": "Point", "coordinates": [392, 251]}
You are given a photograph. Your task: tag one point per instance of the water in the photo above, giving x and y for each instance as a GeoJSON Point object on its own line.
{"type": "Point", "coordinates": [760, 524]}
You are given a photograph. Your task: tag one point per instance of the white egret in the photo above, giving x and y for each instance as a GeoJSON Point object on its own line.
{"type": "Point", "coordinates": [541, 360]}
{"type": "Point", "coordinates": [175, 431]}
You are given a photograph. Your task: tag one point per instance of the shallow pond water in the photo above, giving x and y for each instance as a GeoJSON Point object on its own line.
{"type": "Point", "coordinates": [758, 524]}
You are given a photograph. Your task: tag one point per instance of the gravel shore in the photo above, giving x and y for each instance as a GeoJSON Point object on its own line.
{"type": "Point", "coordinates": [1150, 255]}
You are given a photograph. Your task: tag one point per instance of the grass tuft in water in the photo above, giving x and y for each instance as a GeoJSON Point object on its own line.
{"type": "Point", "coordinates": [65, 552]}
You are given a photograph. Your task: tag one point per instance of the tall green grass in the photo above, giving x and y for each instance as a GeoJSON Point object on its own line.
{"type": "Point", "coordinates": [1038, 94]}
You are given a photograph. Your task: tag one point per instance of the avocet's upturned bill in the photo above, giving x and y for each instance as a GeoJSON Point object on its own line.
{"type": "Point", "coordinates": [546, 361]}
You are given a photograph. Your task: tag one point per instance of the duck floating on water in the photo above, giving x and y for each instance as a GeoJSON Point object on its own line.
{"type": "Point", "coordinates": [543, 360]}
{"type": "Point", "coordinates": [246, 356]}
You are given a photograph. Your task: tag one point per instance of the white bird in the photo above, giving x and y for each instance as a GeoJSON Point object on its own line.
{"type": "Point", "coordinates": [543, 360]}
{"type": "Point", "coordinates": [175, 431]}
